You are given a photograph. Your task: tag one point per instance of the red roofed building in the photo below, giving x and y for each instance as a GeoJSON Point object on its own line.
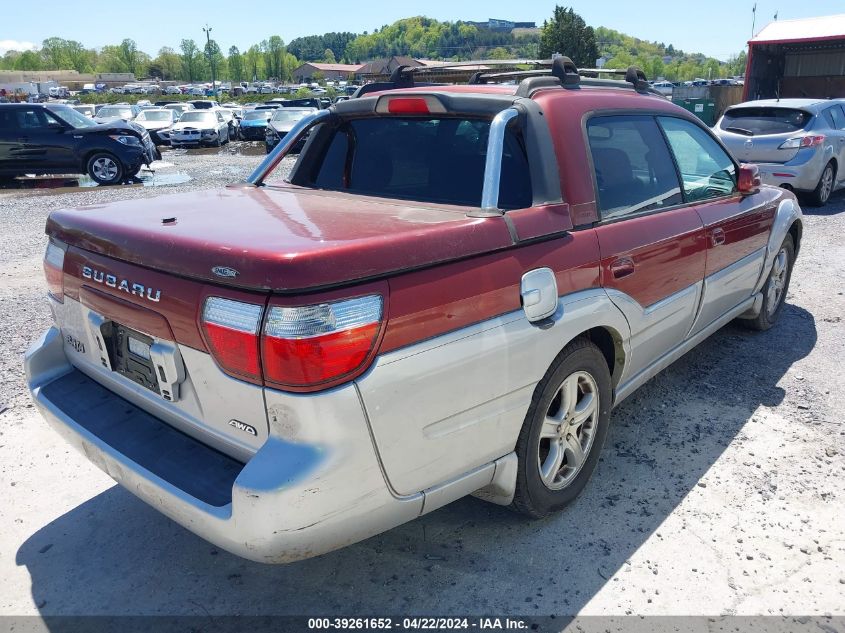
{"type": "Point", "coordinates": [331, 72]}
{"type": "Point", "coordinates": [797, 58]}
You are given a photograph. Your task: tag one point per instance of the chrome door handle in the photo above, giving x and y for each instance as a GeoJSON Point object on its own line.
{"type": "Point", "coordinates": [717, 237]}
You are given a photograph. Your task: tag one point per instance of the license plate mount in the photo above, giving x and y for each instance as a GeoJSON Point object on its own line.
{"type": "Point", "coordinates": [129, 353]}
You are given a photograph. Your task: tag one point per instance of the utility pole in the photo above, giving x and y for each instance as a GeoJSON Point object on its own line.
{"type": "Point", "coordinates": [753, 18]}
{"type": "Point", "coordinates": [207, 30]}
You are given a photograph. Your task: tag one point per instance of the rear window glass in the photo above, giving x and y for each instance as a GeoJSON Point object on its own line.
{"type": "Point", "coordinates": [754, 121]}
{"type": "Point", "coordinates": [429, 160]}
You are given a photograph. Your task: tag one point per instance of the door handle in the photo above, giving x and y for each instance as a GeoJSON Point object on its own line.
{"type": "Point", "coordinates": [622, 267]}
{"type": "Point", "coordinates": [22, 139]}
{"type": "Point", "coordinates": [717, 237]}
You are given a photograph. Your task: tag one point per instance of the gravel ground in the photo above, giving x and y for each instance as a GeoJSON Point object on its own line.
{"type": "Point", "coordinates": [720, 489]}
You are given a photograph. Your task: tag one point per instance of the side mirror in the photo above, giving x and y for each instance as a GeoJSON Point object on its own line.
{"type": "Point", "coordinates": [56, 127]}
{"type": "Point", "coordinates": [749, 179]}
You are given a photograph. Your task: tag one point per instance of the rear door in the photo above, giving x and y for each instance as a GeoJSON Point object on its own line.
{"type": "Point", "coordinates": [652, 244]}
{"type": "Point", "coordinates": [837, 132]}
{"type": "Point", "coordinates": [737, 227]}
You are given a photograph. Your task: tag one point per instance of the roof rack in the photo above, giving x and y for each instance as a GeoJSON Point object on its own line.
{"type": "Point", "coordinates": [541, 73]}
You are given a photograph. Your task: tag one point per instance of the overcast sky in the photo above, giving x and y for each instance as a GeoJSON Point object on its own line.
{"type": "Point", "coordinates": [718, 28]}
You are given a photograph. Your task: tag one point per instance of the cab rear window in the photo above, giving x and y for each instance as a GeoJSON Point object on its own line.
{"type": "Point", "coordinates": [759, 120]}
{"type": "Point", "coordinates": [426, 159]}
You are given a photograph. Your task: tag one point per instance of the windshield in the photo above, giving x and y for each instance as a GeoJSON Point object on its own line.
{"type": "Point", "coordinates": [119, 113]}
{"type": "Point", "coordinates": [256, 115]}
{"type": "Point", "coordinates": [764, 120]}
{"type": "Point", "coordinates": [289, 116]}
{"type": "Point", "coordinates": [428, 160]}
{"type": "Point", "coordinates": [72, 117]}
{"type": "Point", "coordinates": [197, 117]}
{"type": "Point", "coordinates": [154, 115]}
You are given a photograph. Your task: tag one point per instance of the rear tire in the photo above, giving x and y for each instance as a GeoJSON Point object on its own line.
{"type": "Point", "coordinates": [564, 430]}
{"type": "Point", "coordinates": [821, 194]}
{"type": "Point", "coordinates": [775, 289]}
{"type": "Point", "coordinates": [105, 168]}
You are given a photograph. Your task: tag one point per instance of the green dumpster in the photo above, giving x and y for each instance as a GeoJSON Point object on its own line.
{"type": "Point", "coordinates": [704, 109]}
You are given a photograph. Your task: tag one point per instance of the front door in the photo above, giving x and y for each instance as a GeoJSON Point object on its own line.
{"type": "Point", "coordinates": [47, 142]}
{"type": "Point", "coordinates": [652, 243]}
{"type": "Point", "coordinates": [737, 227]}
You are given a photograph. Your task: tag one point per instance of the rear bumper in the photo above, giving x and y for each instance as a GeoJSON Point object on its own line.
{"type": "Point", "coordinates": [801, 173]}
{"type": "Point", "coordinates": [297, 497]}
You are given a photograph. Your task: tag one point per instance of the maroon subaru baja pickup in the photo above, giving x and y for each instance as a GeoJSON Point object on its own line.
{"type": "Point", "coordinates": [447, 296]}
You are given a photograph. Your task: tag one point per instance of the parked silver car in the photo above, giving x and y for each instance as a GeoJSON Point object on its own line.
{"type": "Point", "coordinates": [120, 111]}
{"type": "Point", "coordinates": [799, 144]}
{"type": "Point", "coordinates": [158, 121]}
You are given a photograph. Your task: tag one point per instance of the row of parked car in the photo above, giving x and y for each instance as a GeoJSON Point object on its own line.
{"type": "Point", "coordinates": [798, 144]}
{"type": "Point", "coordinates": [207, 123]}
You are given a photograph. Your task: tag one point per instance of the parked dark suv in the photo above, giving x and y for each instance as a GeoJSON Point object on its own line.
{"type": "Point", "coordinates": [56, 139]}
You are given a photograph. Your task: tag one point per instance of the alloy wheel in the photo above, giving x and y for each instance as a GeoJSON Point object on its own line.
{"type": "Point", "coordinates": [777, 281]}
{"type": "Point", "coordinates": [568, 430]}
{"type": "Point", "coordinates": [105, 169]}
{"type": "Point", "coordinates": [826, 184]}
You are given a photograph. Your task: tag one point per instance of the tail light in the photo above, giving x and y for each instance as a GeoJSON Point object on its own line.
{"type": "Point", "coordinates": [310, 345]}
{"type": "Point", "coordinates": [397, 104]}
{"type": "Point", "coordinates": [231, 329]}
{"type": "Point", "coordinates": [798, 142]}
{"type": "Point", "coordinates": [300, 347]}
{"type": "Point", "coordinates": [54, 261]}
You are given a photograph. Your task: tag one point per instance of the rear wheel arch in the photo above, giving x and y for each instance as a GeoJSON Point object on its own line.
{"type": "Point", "coordinates": [609, 342]}
{"type": "Point", "coordinates": [796, 230]}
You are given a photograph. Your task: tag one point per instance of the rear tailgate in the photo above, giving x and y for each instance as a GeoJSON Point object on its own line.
{"type": "Point", "coordinates": [136, 331]}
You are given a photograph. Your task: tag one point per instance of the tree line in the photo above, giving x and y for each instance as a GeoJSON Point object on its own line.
{"type": "Point", "coordinates": [565, 32]}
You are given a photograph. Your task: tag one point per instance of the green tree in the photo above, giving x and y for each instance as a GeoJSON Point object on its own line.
{"type": "Point", "coordinates": [274, 52]}
{"type": "Point", "coordinates": [253, 63]}
{"type": "Point", "coordinates": [190, 59]}
{"type": "Point", "coordinates": [236, 64]}
{"type": "Point", "coordinates": [167, 63]}
{"type": "Point", "coordinates": [328, 56]}
{"type": "Point", "coordinates": [79, 58]}
{"type": "Point", "coordinates": [215, 59]}
{"type": "Point", "coordinates": [499, 53]}
{"type": "Point", "coordinates": [109, 60]}
{"type": "Point", "coordinates": [568, 34]}
{"type": "Point", "coordinates": [28, 60]}
{"type": "Point", "coordinates": [130, 56]}
{"type": "Point", "coordinates": [53, 53]}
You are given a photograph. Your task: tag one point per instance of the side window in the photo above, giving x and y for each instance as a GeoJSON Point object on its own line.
{"type": "Point", "coordinates": [50, 119]}
{"type": "Point", "coordinates": [706, 169]}
{"type": "Point", "coordinates": [30, 120]}
{"type": "Point", "coordinates": [8, 119]}
{"type": "Point", "coordinates": [838, 117]}
{"type": "Point", "coordinates": [827, 115]}
{"type": "Point", "coordinates": [633, 167]}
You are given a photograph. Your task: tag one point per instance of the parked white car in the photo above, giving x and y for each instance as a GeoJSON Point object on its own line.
{"type": "Point", "coordinates": [200, 127]}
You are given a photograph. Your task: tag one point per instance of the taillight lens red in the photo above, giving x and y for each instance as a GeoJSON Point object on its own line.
{"type": "Point", "coordinates": [300, 347]}
{"type": "Point", "coordinates": [54, 261]}
{"type": "Point", "coordinates": [231, 329]}
{"type": "Point", "coordinates": [310, 345]}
